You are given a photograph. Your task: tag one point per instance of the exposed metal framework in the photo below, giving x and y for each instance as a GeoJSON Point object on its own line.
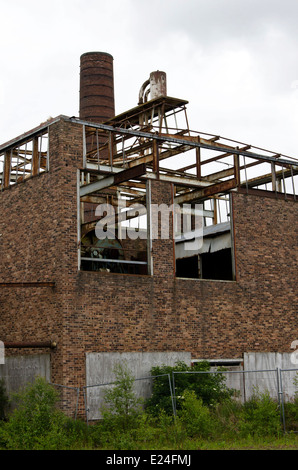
{"type": "Point", "coordinates": [200, 165]}
{"type": "Point", "coordinates": [152, 141]}
{"type": "Point", "coordinates": [22, 159]}
{"type": "Point", "coordinates": [147, 142]}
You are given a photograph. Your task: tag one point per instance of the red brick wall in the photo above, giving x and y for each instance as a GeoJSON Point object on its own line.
{"type": "Point", "coordinates": [211, 319]}
{"type": "Point", "coordinates": [38, 242]}
{"type": "Point", "coordinates": [94, 312]}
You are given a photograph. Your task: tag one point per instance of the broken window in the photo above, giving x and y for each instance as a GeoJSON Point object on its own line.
{"type": "Point", "coordinates": [212, 257]}
{"type": "Point", "coordinates": [25, 158]}
{"type": "Point", "coordinates": [113, 231]}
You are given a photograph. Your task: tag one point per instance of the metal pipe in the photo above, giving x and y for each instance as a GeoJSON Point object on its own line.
{"type": "Point", "coordinates": [107, 260]}
{"type": "Point", "coordinates": [29, 344]}
{"type": "Point", "coordinates": [27, 284]}
{"type": "Point", "coordinates": [142, 91]}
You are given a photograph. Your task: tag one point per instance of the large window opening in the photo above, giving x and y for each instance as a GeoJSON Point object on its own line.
{"type": "Point", "coordinates": [212, 255]}
{"type": "Point", "coordinates": [112, 255]}
{"type": "Point", "coordinates": [113, 230]}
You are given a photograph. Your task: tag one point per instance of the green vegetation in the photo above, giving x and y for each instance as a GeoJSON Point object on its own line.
{"type": "Point", "coordinates": [207, 417]}
{"type": "Point", "coordinates": [4, 402]}
{"type": "Point", "coordinates": [37, 424]}
{"type": "Point", "coordinates": [210, 388]}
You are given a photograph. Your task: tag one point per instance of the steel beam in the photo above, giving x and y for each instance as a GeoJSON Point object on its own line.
{"type": "Point", "coordinates": [114, 179]}
{"type": "Point", "coordinates": [206, 192]}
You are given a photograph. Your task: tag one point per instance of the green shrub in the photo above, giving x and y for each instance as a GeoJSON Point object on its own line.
{"type": "Point", "coordinates": [291, 409]}
{"type": "Point", "coordinates": [32, 416]}
{"type": "Point", "coordinates": [260, 416]}
{"type": "Point", "coordinates": [210, 387]}
{"type": "Point", "coordinates": [148, 431]}
{"type": "Point", "coordinates": [120, 413]}
{"type": "Point", "coordinates": [226, 414]}
{"type": "Point", "coordinates": [36, 423]}
{"type": "Point", "coordinates": [291, 414]}
{"type": "Point", "coordinates": [121, 405]}
{"type": "Point", "coordinates": [63, 433]}
{"type": "Point", "coordinates": [171, 430]}
{"type": "Point", "coordinates": [195, 416]}
{"type": "Point", "coordinates": [144, 433]}
{"type": "Point", "coordinates": [125, 425]}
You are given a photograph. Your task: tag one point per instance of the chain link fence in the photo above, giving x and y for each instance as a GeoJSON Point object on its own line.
{"type": "Point", "coordinates": [68, 399]}
{"type": "Point", "coordinates": [281, 384]}
{"type": "Point", "coordinates": [94, 394]}
{"type": "Point", "coordinates": [288, 392]}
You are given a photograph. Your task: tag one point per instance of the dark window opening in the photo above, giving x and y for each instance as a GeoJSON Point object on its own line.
{"type": "Point", "coordinates": [215, 266]}
{"type": "Point", "coordinates": [188, 267]}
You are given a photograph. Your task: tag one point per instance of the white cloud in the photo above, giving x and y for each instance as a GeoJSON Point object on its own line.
{"type": "Point", "coordinates": [235, 61]}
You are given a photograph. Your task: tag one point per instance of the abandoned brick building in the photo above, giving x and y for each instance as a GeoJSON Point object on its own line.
{"type": "Point", "coordinates": [67, 293]}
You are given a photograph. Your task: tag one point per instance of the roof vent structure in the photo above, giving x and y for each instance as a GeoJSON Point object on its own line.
{"type": "Point", "coordinates": [156, 85]}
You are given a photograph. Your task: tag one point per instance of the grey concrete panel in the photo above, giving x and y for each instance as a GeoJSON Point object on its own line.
{"type": "Point", "coordinates": [17, 371]}
{"type": "Point", "coordinates": [263, 381]}
{"type": "Point", "coordinates": [100, 367]}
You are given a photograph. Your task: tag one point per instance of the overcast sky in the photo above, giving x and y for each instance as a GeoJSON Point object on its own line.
{"type": "Point", "coordinates": [235, 61]}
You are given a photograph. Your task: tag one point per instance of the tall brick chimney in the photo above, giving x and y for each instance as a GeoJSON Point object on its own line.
{"type": "Point", "coordinates": [96, 87]}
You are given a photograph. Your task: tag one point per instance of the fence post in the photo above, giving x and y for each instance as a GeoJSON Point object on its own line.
{"type": "Point", "coordinates": [172, 398]}
{"type": "Point", "coordinates": [77, 404]}
{"type": "Point", "coordinates": [174, 395]}
{"type": "Point", "coordinates": [85, 402]}
{"type": "Point", "coordinates": [281, 394]}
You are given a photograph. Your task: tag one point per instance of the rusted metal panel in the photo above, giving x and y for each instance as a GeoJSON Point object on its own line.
{"type": "Point", "coordinates": [130, 173]}
{"type": "Point", "coordinates": [237, 169]}
{"type": "Point", "coordinates": [35, 166]}
{"type": "Point", "coordinates": [155, 158]}
{"type": "Point", "coordinates": [7, 167]}
{"type": "Point", "coordinates": [198, 161]}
